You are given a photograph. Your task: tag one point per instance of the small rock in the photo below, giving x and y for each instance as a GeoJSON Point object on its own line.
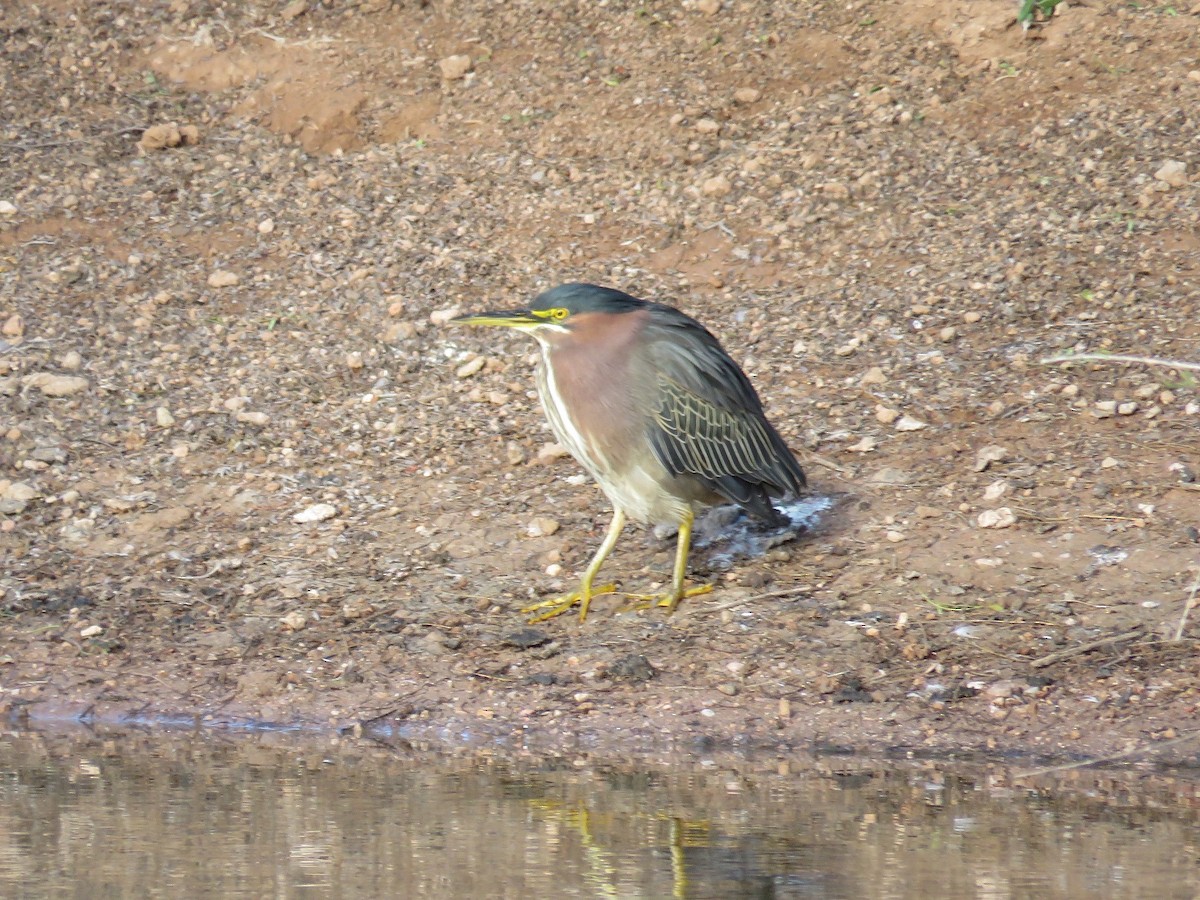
{"type": "Point", "coordinates": [894, 537]}
{"type": "Point", "coordinates": [471, 367]}
{"type": "Point", "coordinates": [20, 491]}
{"type": "Point", "coordinates": [947, 334]}
{"type": "Point", "coordinates": [55, 385]}
{"type": "Point", "coordinates": [1003, 517]}
{"type": "Point", "coordinates": [223, 278]}
{"type": "Point", "coordinates": [14, 326]}
{"type": "Point", "coordinates": [729, 689]}
{"type": "Point", "coordinates": [873, 375]}
{"type": "Point", "coordinates": [294, 621]}
{"type": "Point", "coordinates": [908, 423]}
{"type": "Point", "coordinates": [252, 418]}
{"type": "Point", "coordinates": [708, 126]}
{"type": "Point", "coordinates": [294, 10]}
{"type": "Point", "coordinates": [442, 316]}
{"type": "Point", "coordinates": [971, 317]}
{"type": "Point", "coordinates": [717, 186]}
{"type": "Point", "coordinates": [159, 137]}
{"type": "Point", "coordinates": [354, 361]}
{"type": "Point", "coordinates": [985, 456]}
{"type": "Point", "coordinates": [865, 445]}
{"type": "Point", "coordinates": [455, 67]}
{"type": "Point", "coordinates": [266, 226]}
{"type": "Point", "coordinates": [1173, 172]}
{"type": "Point", "coordinates": [995, 490]}
{"type": "Point", "coordinates": [885, 415]}
{"type": "Point", "coordinates": [633, 667]}
{"type": "Point", "coordinates": [542, 527]}
{"type": "Point", "coordinates": [49, 454]}
{"type": "Point", "coordinates": [1128, 408]}
{"type": "Point", "coordinates": [551, 452]}
{"type": "Point", "coordinates": [163, 417]}
{"type": "Point", "coordinates": [514, 453]}
{"type": "Point", "coordinates": [890, 475]}
{"type": "Point", "coordinates": [747, 95]}
{"type": "Point", "coordinates": [358, 608]}
{"type": "Point", "coordinates": [525, 638]}
{"type": "Point", "coordinates": [71, 361]}
{"type": "Point", "coordinates": [7, 208]}
{"type": "Point", "coordinates": [91, 631]}
{"type": "Point", "coordinates": [927, 512]}
{"type": "Point", "coordinates": [709, 7]}
{"type": "Point", "coordinates": [318, 512]}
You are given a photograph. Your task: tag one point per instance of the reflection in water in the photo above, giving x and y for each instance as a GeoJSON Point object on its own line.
{"type": "Point", "coordinates": [197, 817]}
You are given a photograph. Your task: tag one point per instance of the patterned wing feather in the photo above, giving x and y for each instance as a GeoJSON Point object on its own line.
{"type": "Point", "coordinates": [707, 422]}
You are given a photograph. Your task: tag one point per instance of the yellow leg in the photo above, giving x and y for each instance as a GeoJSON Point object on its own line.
{"type": "Point", "coordinates": [559, 605]}
{"type": "Point", "coordinates": [678, 592]}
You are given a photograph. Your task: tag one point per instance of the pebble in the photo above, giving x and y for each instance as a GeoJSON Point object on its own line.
{"type": "Point", "coordinates": [455, 67]}
{"type": "Point", "coordinates": [885, 415]}
{"type": "Point", "coordinates": [717, 186]}
{"type": "Point", "coordinates": [318, 512]}
{"type": "Point", "coordinates": [708, 126]}
{"type": "Point", "coordinates": [865, 445]}
{"type": "Point", "coordinates": [163, 417]}
{"type": "Point", "coordinates": [908, 423]}
{"type": "Point", "coordinates": [19, 491]}
{"type": "Point", "coordinates": [1003, 517]}
{"type": "Point", "coordinates": [747, 95]}
{"type": "Point", "coordinates": [71, 361]}
{"type": "Point", "coordinates": [514, 453]}
{"type": "Point", "coordinates": [1173, 172]}
{"type": "Point", "coordinates": [1128, 408]}
{"type": "Point", "coordinates": [252, 418]}
{"type": "Point", "coordinates": [948, 334]}
{"type": "Point", "coordinates": [985, 456]}
{"type": "Point", "coordinates": [971, 317]}
{"type": "Point", "coordinates": [542, 527]}
{"type": "Point", "coordinates": [266, 226]}
{"type": "Point", "coordinates": [7, 208]}
{"type": "Point", "coordinates": [873, 375]}
{"type": "Point", "coordinates": [354, 360]}
{"type": "Point", "coordinates": [709, 7]}
{"type": "Point", "coordinates": [294, 621]}
{"type": "Point", "coordinates": [895, 537]}
{"type": "Point", "coordinates": [223, 278]}
{"type": "Point", "coordinates": [471, 367]}
{"type": "Point", "coordinates": [995, 490]}
{"type": "Point", "coordinates": [91, 631]}
{"type": "Point", "coordinates": [442, 316]}
{"type": "Point", "coordinates": [551, 452]}
{"type": "Point", "coordinates": [14, 326]}
{"type": "Point", "coordinates": [55, 385]}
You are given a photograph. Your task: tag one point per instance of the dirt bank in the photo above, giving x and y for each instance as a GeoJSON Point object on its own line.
{"type": "Point", "coordinates": [229, 235]}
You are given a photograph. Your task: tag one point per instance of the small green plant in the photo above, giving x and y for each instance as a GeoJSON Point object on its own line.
{"type": "Point", "coordinates": [1036, 11]}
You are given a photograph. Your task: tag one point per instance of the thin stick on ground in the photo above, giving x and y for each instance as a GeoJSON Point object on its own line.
{"type": "Point", "coordinates": [1187, 608]}
{"type": "Point", "coordinates": [1121, 358]}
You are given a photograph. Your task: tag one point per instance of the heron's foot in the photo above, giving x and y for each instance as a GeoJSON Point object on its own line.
{"type": "Point", "coordinates": [556, 606]}
{"type": "Point", "coordinates": [668, 600]}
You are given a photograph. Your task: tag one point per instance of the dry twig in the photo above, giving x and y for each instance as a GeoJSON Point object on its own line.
{"type": "Point", "coordinates": [1121, 358]}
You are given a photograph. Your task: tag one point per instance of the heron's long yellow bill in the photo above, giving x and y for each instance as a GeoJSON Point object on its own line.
{"type": "Point", "coordinates": [509, 318]}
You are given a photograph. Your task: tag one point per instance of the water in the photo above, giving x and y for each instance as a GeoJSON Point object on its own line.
{"type": "Point", "coordinates": [274, 816]}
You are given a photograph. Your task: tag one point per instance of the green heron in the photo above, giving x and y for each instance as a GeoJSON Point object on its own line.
{"type": "Point", "coordinates": [647, 400]}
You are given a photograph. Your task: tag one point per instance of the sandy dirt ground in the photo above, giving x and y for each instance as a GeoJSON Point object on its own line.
{"type": "Point", "coordinates": [247, 472]}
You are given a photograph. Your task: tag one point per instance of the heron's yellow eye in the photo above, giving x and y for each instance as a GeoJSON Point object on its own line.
{"type": "Point", "coordinates": [558, 314]}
